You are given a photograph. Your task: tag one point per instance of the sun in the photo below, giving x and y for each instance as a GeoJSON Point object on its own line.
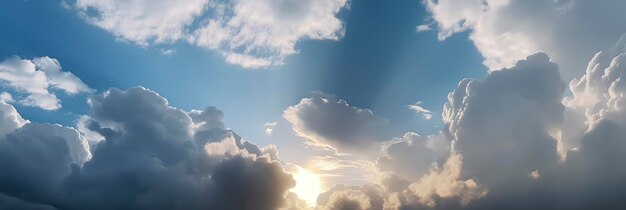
{"type": "Point", "coordinates": [308, 185]}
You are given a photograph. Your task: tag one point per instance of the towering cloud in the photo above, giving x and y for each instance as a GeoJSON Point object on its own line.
{"type": "Point", "coordinates": [507, 132]}
{"type": "Point", "coordinates": [501, 124]}
{"type": "Point", "coordinates": [250, 33]}
{"type": "Point", "coordinates": [153, 156]}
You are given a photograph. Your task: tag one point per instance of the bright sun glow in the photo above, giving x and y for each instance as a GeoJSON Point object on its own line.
{"type": "Point", "coordinates": [308, 185]}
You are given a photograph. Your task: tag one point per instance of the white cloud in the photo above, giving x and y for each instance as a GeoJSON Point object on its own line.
{"type": "Point", "coordinates": [168, 51]}
{"type": "Point", "coordinates": [258, 33]}
{"type": "Point", "coordinates": [10, 119]}
{"type": "Point", "coordinates": [142, 22]}
{"type": "Point", "coordinates": [506, 31]}
{"type": "Point", "coordinates": [269, 127]}
{"type": "Point", "coordinates": [422, 28]}
{"type": "Point", "coordinates": [417, 107]}
{"type": "Point", "coordinates": [6, 97]}
{"type": "Point", "coordinates": [36, 78]}
{"type": "Point", "coordinates": [597, 95]}
{"type": "Point", "coordinates": [250, 33]}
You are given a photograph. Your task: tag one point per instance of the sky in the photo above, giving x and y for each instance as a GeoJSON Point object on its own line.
{"type": "Point", "coordinates": [313, 104]}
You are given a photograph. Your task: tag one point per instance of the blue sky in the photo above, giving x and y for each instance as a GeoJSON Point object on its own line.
{"type": "Point", "coordinates": [382, 63]}
{"type": "Point", "coordinates": [312, 104]}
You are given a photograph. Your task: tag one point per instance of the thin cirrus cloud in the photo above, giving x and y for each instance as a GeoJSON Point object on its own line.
{"type": "Point", "coordinates": [249, 33]}
{"type": "Point", "coordinates": [36, 80]}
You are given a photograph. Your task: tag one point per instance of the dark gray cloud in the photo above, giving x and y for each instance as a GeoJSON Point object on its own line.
{"type": "Point", "coordinates": [153, 156]}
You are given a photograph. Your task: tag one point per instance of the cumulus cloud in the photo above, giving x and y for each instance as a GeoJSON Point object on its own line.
{"type": "Point", "coordinates": [142, 22]}
{"type": "Point", "coordinates": [342, 197]}
{"type": "Point", "coordinates": [502, 124]}
{"type": "Point", "coordinates": [9, 118]}
{"type": "Point", "coordinates": [506, 131]}
{"type": "Point", "coordinates": [153, 156]}
{"type": "Point", "coordinates": [249, 33]}
{"type": "Point", "coordinates": [327, 120]}
{"type": "Point", "coordinates": [420, 151]}
{"type": "Point", "coordinates": [36, 79]}
{"type": "Point", "coordinates": [506, 31]}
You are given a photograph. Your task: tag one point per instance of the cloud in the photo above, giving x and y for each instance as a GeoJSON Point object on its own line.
{"type": "Point", "coordinates": [36, 78]}
{"type": "Point", "coordinates": [142, 22]}
{"type": "Point", "coordinates": [417, 107]}
{"type": "Point", "coordinates": [507, 31]}
{"type": "Point", "coordinates": [153, 156]}
{"type": "Point", "coordinates": [6, 97]}
{"type": "Point", "coordinates": [342, 197]}
{"type": "Point", "coordinates": [501, 125]}
{"type": "Point", "coordinates": [327, 120]}
{"type": "Point", "coordinates": [269, 127]}
{"type": "Point", "coordinates": [506, 131]}
{"type": "Point", "coordinates": [249, 33]}
{"type": "Point", "coordinates": [422, 28]}
{"type": "Point", "coordinates": [500, 132]}
{"type": "Point", "coordinates": [420, 151]}
{"type": "Point", "coordinates": [9, 118]}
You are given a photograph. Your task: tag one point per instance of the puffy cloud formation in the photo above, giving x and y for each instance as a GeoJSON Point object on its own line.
{"type": "Point", "coordinates": [153, 156]}
{"type": "Point", "coordinates": [570, 31]}
{"type": "Point", "coordinates": [420, 151]}
{"type": "Point", "coordinates": [342, 197]}
{"type": "Point", "coordinates": [250, 33]}
{"type": "Point", "coordinates": [142, 22]}
{"type": "Point", "coordinates": [499, 129]}
{"type": "Point", "coordinates": [507, 132]}
{"type": "Point", "coordinates": [502, 124]}
{"type": "Point", "coordinates": [36, 78]}
{"type": "Point", "coordinates": [9, 119]}
{"type": "Point", "coordinates": [327, 120]}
